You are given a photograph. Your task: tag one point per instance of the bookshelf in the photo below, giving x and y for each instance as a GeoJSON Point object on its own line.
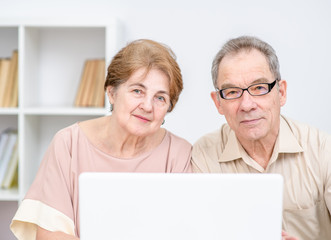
{"type": "Point", "coordinates": [51, 57]}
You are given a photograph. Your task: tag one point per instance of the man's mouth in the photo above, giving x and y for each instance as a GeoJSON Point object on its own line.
{"type": "Point", "coordinates": [250, 121]}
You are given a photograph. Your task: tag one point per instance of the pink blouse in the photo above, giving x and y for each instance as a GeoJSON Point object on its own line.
{"type": "Point", "coordinates": [52, 200]}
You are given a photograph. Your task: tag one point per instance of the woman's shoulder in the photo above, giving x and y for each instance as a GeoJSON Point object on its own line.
{"type": "Point", "coordinates": [76, 131]}
{"type": "Point", "coordinates": [178, 142]}
{"type": "Point", "coordinates": [66, 133]}
{"type": "Point", "coordinates": [91, 124]}
{"type": "Point", "coordinates": [92, 127]}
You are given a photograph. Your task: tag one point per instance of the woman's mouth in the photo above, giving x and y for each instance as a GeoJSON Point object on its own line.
{"type": "Point", "coordinates": [142, 118]}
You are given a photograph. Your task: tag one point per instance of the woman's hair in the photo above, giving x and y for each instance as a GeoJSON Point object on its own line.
{"type": "Point", "coordinates": [246, 43]}
{"type": "Point", "coordinates": [147, 54]}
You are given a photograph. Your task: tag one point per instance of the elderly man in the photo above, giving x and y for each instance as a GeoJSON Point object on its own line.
{"type": "Point", "coordinates": [258, 139]}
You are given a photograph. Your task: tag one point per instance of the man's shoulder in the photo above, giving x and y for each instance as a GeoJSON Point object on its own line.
{"type": "Point", "coordinates": [305, 132]}
{"type": "Point", "coordinates": [207, 150]}
{"type": "Point", "coordinates": [312, 140]}
{"type": "Point", "coordinates": [208, 139]}
{"type": "Point", "coordinates": [213, 139]}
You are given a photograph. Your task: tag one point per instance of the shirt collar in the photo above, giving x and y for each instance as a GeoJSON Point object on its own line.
{"type": "Point", "coordinates": [288, 143]}
{"type": "Point", "coordinates": [285, 143]}
{"type": "Point", "coordinates": [232, 149]}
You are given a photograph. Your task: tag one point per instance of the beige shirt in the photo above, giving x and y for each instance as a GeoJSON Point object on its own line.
{"type": "Point", "coordinates": [302, 155]}
{"type": "Point", "coordinates": [52, 201]}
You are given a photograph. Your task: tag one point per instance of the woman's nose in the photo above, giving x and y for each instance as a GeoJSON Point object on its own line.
{"type": "Point", "coordinates": [147, 104]}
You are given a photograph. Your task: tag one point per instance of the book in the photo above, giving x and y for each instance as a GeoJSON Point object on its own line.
{"type": "Point", "coordinates": [11, 171]}
{"type": "Point", "coordinates": [82, 85]}
{"type": "Point", "coordinates": [11, 83]}
{"type": "Point", "coordinates": [90, 92]}
{"type": "Point", "coordinates": [4, 71]}
{"type": "Point", "coordinates": [3, 144]}
{"type": "Point", "coordinates": [3, 141]}
{"type": "Point", "coordinates": [99, 93]}
{"type": "Point", "coordinates": [7, 152]}
{"type": "Point", "coordinates": [14, 97]}
{"type": "Point", "coordinates": [88, 72]}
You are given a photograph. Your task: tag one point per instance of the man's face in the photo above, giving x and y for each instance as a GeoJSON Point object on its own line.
{"type": "Point", "coordinates": [252, 118]}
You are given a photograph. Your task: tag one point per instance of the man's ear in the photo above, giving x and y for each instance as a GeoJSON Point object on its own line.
{"type": "Point", "coordinates": [282, 92]}
{"type": "Point", "coordinates": [216, 98]}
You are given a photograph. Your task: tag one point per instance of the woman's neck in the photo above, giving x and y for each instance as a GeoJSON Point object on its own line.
{"type": "Point", "coordinates": [122, 144]}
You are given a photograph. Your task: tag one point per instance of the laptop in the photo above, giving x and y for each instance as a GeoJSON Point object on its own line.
{"type": "Point", "coordinates": [175, 206]}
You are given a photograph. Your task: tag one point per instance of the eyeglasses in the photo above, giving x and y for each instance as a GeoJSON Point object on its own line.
{"type": "Point", "coordinates": [258, 89]}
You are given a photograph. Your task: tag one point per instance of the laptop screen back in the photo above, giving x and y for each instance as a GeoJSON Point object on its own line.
{"type": "Point", "coordinates": [159, 206]}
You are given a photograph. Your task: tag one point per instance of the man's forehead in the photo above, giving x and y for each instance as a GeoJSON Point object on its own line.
{"type": "Point", "coordinates": [250, 65]}
{"type": "Point", "coordinates": [243, 60]}
{"type": "Point", "coordinates": [244, 55]}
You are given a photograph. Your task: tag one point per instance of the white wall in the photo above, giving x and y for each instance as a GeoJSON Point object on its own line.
{"type": "Point", "coordinates": [299, 30]}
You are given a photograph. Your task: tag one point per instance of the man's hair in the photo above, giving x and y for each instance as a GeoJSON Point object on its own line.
{"type": "Point", "coordinates": [146, 54]}
{"type": "Point", "coordinates": [246, 43]}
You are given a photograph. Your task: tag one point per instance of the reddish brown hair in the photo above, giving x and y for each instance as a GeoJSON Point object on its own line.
{"type": "Point", "coordinates": [146, 54]}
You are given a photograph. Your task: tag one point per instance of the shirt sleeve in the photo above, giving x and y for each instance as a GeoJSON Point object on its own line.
{"type": "Point", "coordinates": [48, 203]}
{"type": "Point", "coordinates": [205, 154]}
{"type": "Point", "coordinates": [199, 164]}
{"type": "Point", "coordinates": [326, 151]}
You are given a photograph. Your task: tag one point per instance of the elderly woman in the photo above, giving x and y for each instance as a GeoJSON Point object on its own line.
{"type": "Point", "coordinates": [143, 84]}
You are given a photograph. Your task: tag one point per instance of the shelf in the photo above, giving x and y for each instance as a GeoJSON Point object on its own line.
{"type": "Point", "coordinates": [11, 194]}
{"type": "Point", "coordinates": [69, 111]}
{"type": "Point", "coordinates": [51, 58]}
{"type": "Point", "coordinates": [58, 22]}
{"type": "Point", "coordinates": [9, 111]}
{"type": "Point", "coordinates": [53, 62]}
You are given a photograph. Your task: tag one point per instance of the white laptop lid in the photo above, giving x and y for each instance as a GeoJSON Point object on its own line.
{"type": "Point", "coordinates": [159, 206]}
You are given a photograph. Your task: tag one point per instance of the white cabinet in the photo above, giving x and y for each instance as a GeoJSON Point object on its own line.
{"type": "Point", "coordinates": [51, 60]}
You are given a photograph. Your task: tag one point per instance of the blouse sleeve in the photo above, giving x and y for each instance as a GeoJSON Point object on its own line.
{"type": "Point", "coordinates": [180, 154]}
{"type": "Point", "coordinates": [48, 202]}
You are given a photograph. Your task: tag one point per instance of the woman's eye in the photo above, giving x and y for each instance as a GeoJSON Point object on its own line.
{"type": "Point", "coordinates": [160, 98]}
{"type": "Point", "coordinates": [137, 91]}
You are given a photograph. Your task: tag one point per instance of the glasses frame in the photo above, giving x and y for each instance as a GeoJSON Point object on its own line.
{"type": "Point", "coordinates": [270, 87]}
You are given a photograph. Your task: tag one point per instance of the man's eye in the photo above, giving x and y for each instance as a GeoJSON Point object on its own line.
{"type": "Point", "coordinates": [260, 87]}
{"type": "Point", "coordinates": [257, 89]}
{"type": "Point", "coordinates": [232, 92]}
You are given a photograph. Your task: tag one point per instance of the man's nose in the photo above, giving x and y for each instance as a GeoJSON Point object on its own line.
{"type": "Point", "coordinates": [247, 102]}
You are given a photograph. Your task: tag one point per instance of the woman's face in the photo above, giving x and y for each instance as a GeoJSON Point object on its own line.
{"type": "Point", "coordinates": [141, 103]}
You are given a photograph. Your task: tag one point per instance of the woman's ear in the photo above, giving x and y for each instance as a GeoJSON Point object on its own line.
{"type": "Point", "coordinates": [110, 93]}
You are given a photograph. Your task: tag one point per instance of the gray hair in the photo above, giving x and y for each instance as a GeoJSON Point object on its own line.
{"type": "Point", "coordinates": [236, 45]}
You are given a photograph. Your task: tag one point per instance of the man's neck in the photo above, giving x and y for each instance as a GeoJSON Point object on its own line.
{"type": "Point", "coordinates": [260, 150]}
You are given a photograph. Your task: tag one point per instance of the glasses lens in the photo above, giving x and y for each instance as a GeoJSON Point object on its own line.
{"type": "Point", "coordinates": [231, 93]}
{"type": "Point", "coordinates": [259, 89]}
